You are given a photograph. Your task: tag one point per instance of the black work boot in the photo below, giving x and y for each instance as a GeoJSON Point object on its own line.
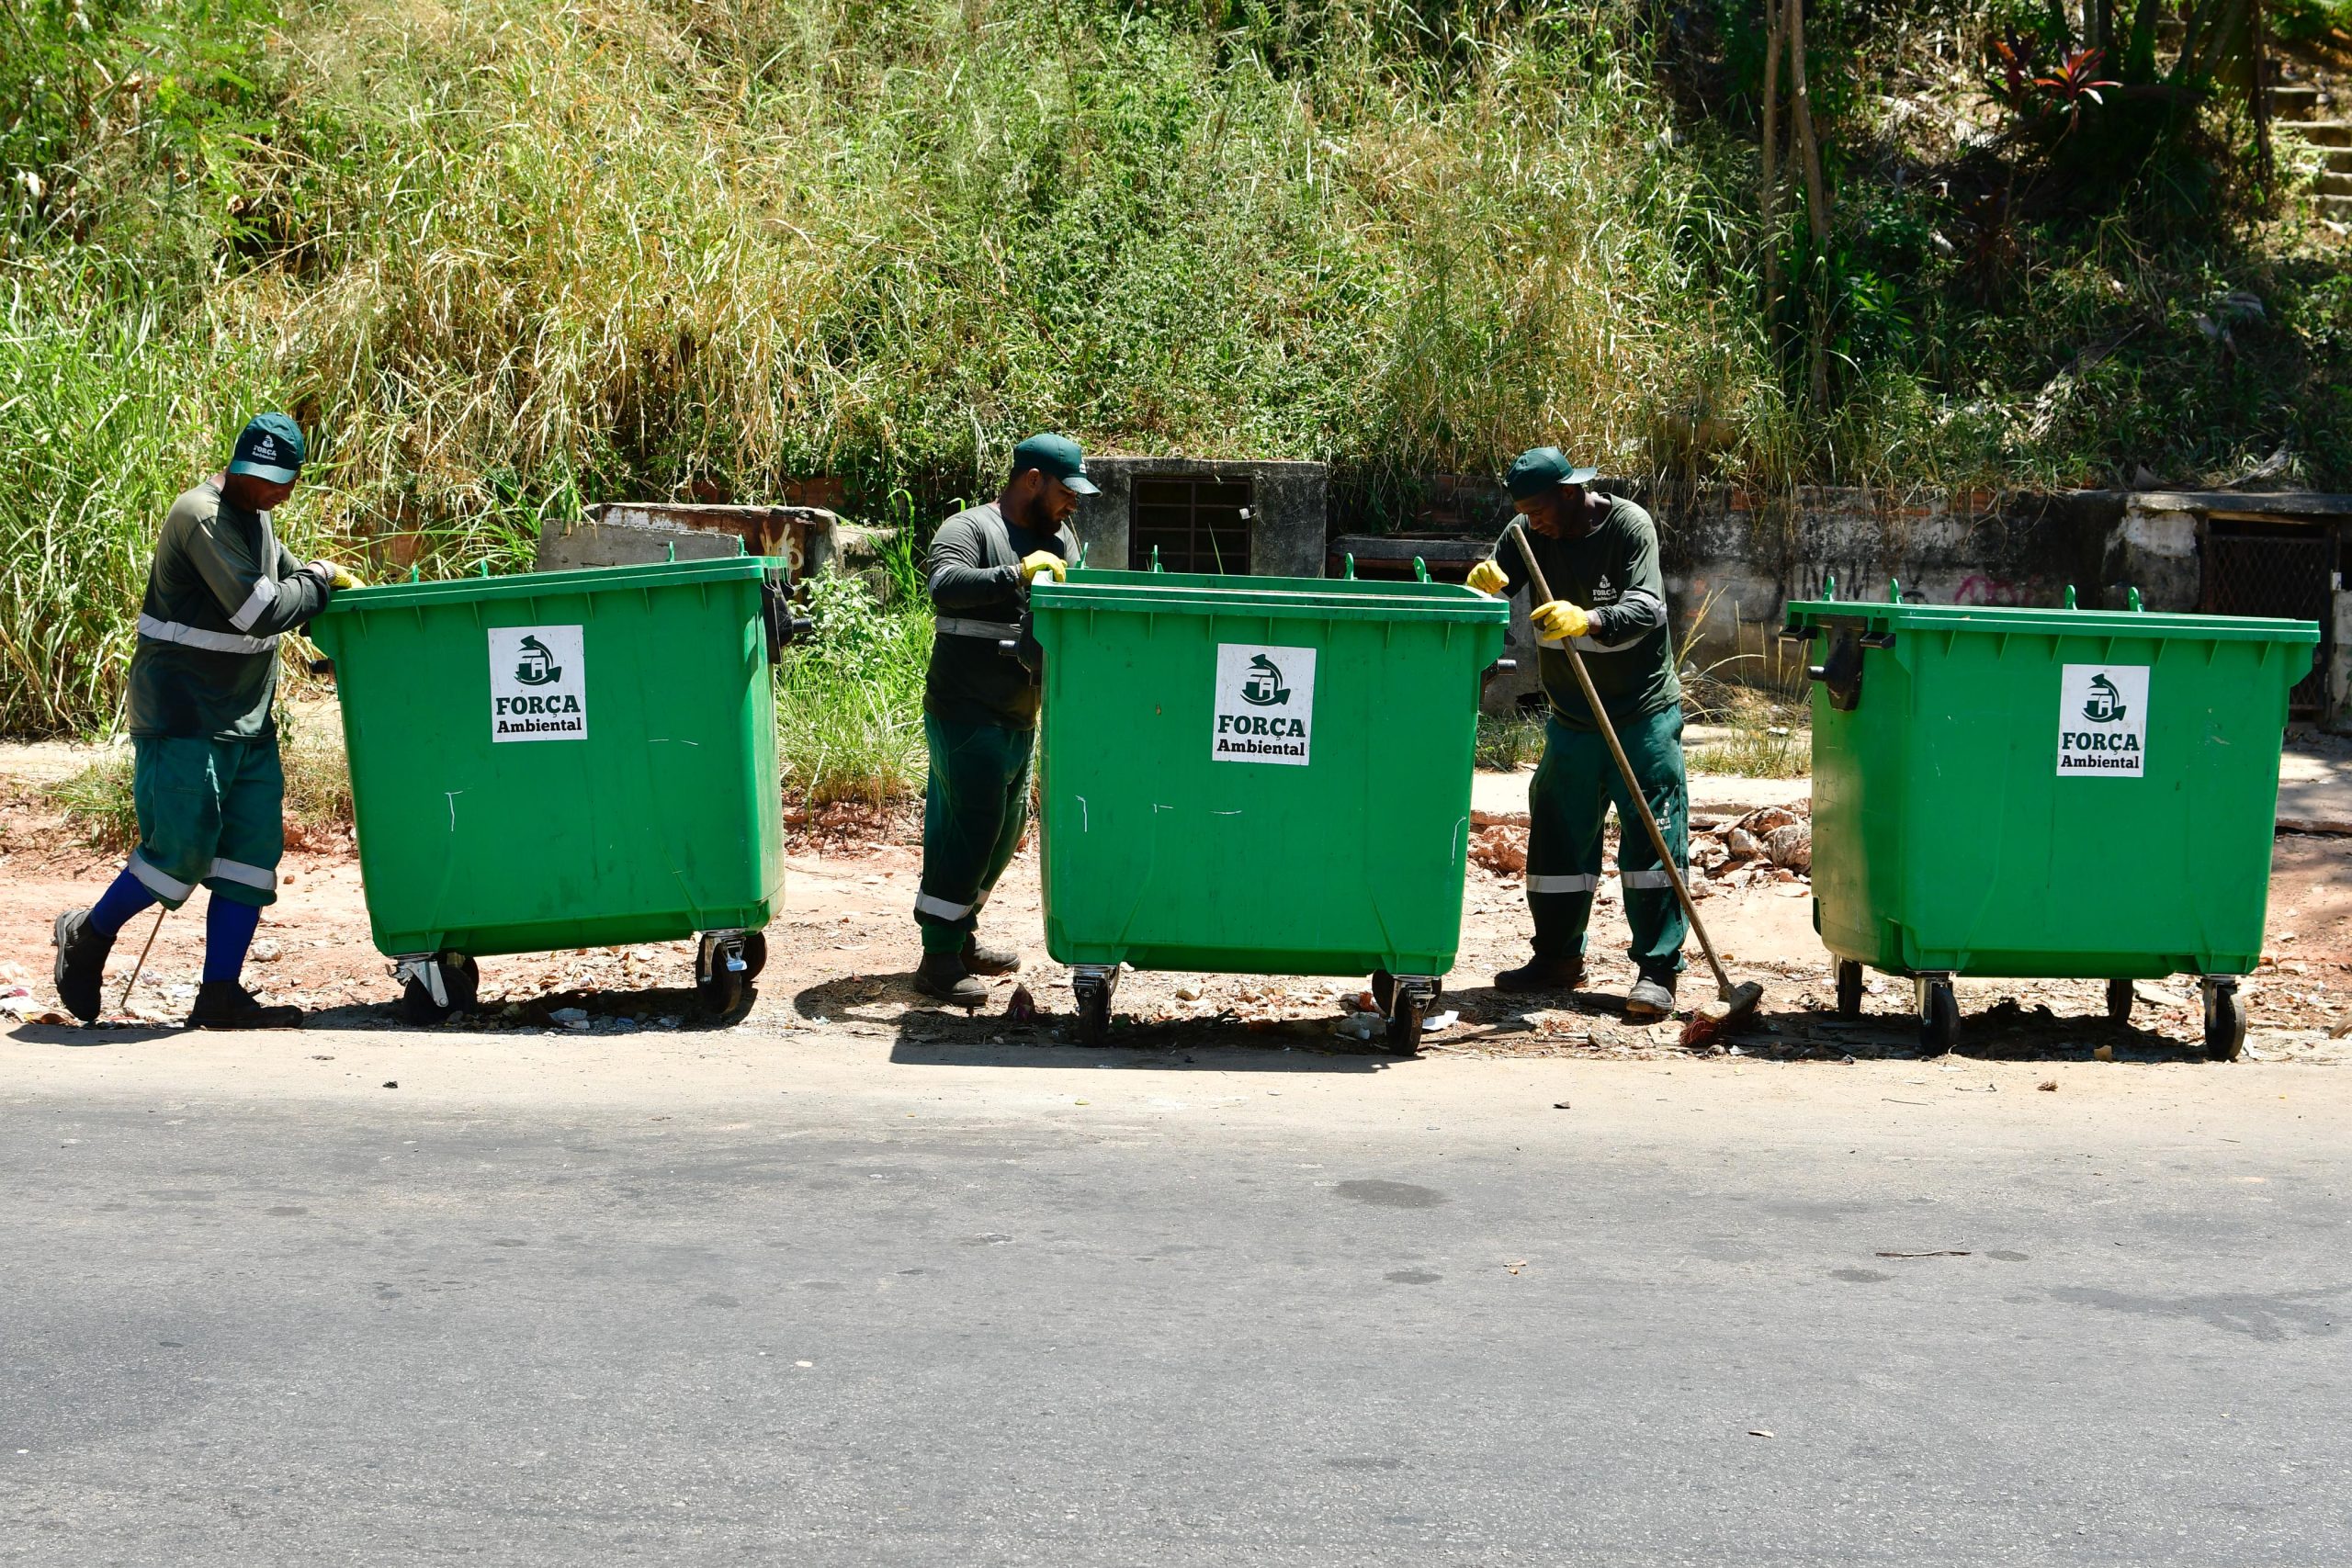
{"type": "Point", "coordinates": [81, 970]}
{"type": "Point", "coordinates": [1650, 999]}
{"type": "Point", "coordinates": [1541, 973]}
{"type": "Point", "coordinates": [942, 975]}
{"type": "Point", "coordinates": [980, 960]}
{"type": "Point", "coordinates": [225, 1004]}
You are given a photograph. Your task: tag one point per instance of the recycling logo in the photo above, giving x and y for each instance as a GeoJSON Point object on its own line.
{"type": "Point", "coordinates": [1262, 686]}
{"type": "Point", "coordinates": [2105, 705]}
{"type": "Point", "coordinates": [537, 666]}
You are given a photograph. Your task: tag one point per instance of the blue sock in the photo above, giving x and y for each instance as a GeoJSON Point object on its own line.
{"type": "Point", "coordinates": [119, 902]}
{"type": "Point", "coordinates": [228, 931]}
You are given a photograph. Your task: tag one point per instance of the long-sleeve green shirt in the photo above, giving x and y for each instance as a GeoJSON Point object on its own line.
{"type": "Point", "coordinates": [220, 592]}
{"type": "Point", "coordinates": [1613, 571]}
{"type": "Point", "coordinates": [978, 591]}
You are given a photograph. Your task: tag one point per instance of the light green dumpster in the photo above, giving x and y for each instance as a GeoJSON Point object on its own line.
{"type": "Point", "coordinates": [1266, 775]}
{"type": "Point", "coordinates": [559, 760]}
{"type": "Point", "coordinates": [2045, 793]}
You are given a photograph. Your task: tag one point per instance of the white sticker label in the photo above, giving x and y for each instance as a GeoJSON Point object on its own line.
{"type": "Point", "coordinates": [538, 684]}
{"type": "Point", "coordinates": [2103, 720]}
{"type": "Point", "coordinates": [1265, 704]}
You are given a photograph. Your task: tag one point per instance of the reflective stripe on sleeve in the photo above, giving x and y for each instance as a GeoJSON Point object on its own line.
{"type": "Point", "coordinates": [940, 908]}
{"type": "Point", "coordinates": [156, 881]}
{"type": "Point", "coordinates": [264, 596]}
{"type": "Point", "coordinates": [195, 637]}
{"type": "Point", "coordinates": [237, 870]}
{"type": "Point", "coordinates": [1578, 884]}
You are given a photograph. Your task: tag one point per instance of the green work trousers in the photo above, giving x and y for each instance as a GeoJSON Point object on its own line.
{"type": "Point", "coordinates": [210, 813]}
{"type": "Point", "coordinates": [1567, 806]}
{"type": "Point", "coordinates": [973, 812]}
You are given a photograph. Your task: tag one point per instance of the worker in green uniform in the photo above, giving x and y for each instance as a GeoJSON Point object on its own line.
{"type": "Point", "coordinates": [205, 778]}
{"type": "Point", "coordinates": [979, 705]}
{"type": "Point", "coordinates": [1600, 555]}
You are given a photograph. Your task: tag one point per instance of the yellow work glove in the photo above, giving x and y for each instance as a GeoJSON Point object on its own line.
{"type": "Point", "coordinates": [340, 575]}
{"type": "Point", "coordinates": [1487, 578]}
{"type": "Point", "coordinates": [1038, 563]}
{"type": "Point", "coordinates": [1559, 621]}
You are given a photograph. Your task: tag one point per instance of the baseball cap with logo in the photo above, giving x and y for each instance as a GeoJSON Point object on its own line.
{"type": "Point", "coordinates": [1544, 468]}
{"type": "Point", "coordinates": [270, 447]}
{"type": "Point", "coordinates": [1058, 456]}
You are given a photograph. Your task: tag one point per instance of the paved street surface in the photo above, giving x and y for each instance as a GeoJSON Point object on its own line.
{"type": "Point", "coordinates": [728, 1298]}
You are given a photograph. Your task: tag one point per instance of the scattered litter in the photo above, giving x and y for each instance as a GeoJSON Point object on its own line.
{"type": "Point", "coordinates": [1759, 1432]}
{"type": "Point", "coordinates": [1020, 1007]}
{"type": "Point", "coordinates": [2104, 1053]}
{"type": "Point", "coordinates": [1515, 1268]}
{"type": "Point", "coordinates": [1188, 992]}
{"type": "Point", "coordinates": [391, 1083]}
{"type": "Point", "coordinates": [1560, 1105]}
{"type": "Point", "coordinates": [1947, 1254]}
{"type": "Point", "coordinates": [1446, 1020]}
{"type": "Point", "coordinates": [2048, 1086]}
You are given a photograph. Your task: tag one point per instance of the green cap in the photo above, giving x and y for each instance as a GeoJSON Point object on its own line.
{"type": "Point", "coordinates": [270, 447]}
{"type": "Point", "coordinates": [1058, 456]}
{"type": "Point", "coordinates": [1545, 469]}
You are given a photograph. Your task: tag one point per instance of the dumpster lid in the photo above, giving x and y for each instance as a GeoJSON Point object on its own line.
{"type": "Point", "coordinates": [1805, 614]}
{"type": "Point", "coordinates": [1305, 598]}
{"type": "Point", "coordinates": [539, 584]}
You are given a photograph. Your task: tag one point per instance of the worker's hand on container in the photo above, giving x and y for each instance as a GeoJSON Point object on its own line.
{"type": "Point", "coordinates": [1041, 563]}
{"type": "Point", "coordinates": [1487, 578]}
{"type": "Point", "coordinates": [1559, 621]}
{"type": "Point", "coordinates": [339, 576]}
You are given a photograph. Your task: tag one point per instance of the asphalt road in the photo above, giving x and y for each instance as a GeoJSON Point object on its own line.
{"type": "Point", "coordinates": [819, 1302]}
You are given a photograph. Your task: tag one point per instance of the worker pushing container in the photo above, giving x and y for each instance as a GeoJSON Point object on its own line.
{"type": "Point", "coordinates": [2049, 794]}
{"type": "Point", "coordinates": [1262, 775]}
{"type": "Point", "coordinates": [559, 760]}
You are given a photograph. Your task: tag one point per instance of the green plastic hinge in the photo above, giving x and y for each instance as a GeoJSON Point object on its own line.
{"type": "Point", "coordinates": [1348, 565]}
{"type": "Point", "coordinates": [1420, 569]}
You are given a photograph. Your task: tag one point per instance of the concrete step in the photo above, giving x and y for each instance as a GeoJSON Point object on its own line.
{"type": "Point", "coordinates": [2325, 132]}
{"type": "Point", "coordinates": [2338, 160]}
{"type": "Point", "coordinates": [2334, 184]}
{"type": "Point", "coordinates": [2294, 101]}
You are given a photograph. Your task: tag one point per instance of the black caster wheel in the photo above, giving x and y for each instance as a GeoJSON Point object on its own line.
{"type": "Point", "coordinates": [1093, 1015]}
{"type": "Point", "coordinates": [756, 953]}
{"type": "Point", "coordinates": [461, 982]}
{"type": "Point", "coordinates": [1850, 988]}
{"type": "Point", "coordinates": [1384, 989]}
{"type": "Point", "coordinates": [1405, 1023]}
{"type": "Point", "coordinates": [722, 976]}
{"type": "Point", "coordinates": [1938, 1020]}
{"type": "Point", "coordinates": [2225, 1023]}
{"type": "Point", "coordinates": [2119, 1001]}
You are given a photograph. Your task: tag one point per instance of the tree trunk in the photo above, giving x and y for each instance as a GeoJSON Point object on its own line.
{"type": "Point", "coordinates": [1768, 198]}
{"type": "Point", "coordinates": [1817, 199]}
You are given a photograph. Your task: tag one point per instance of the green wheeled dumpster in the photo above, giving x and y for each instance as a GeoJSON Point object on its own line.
{"type": "Point", "coordinates": [2045, 794]}
{"type": "Point", "coordinates": [1258, 776]}
{"type": "Point", "coordinates": [562, 760]}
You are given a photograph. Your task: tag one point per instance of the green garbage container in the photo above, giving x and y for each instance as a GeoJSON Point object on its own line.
{"type": "Point", "coordinates": [559, 760]}
{"type": "Point", "coordinates": [2051, 793]}
{"type": "Point", "coordinates": [1259, 774]}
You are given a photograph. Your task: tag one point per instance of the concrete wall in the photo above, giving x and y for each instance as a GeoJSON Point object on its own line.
{"type": "Point", "coordinates": [627, 532]}
{"type": "Point", "coordinates": [1288, 515]}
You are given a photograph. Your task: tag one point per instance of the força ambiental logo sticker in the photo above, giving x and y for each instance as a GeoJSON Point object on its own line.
{"type": "Point", "coordinates": [1264, 708]}
{"type": "Point", "coordinates": [538, 685]}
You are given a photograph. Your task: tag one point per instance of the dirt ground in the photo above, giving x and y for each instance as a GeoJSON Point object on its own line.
{"type": "Point", "coordinates": [842, 951]}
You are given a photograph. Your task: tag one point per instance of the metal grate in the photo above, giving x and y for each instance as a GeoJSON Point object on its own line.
{"type": "Point", "coordinates": [1198, 524]}
{"type": "Point", "coordinates": [2254, 569]}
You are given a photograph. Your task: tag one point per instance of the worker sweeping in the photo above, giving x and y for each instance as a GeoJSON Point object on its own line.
{"type": "Point", "coordinates": [1599, 553]}
{"type": "Point", "coordinates": [205, 781]}
{"type": "Point", "coordinates": [979, 705]}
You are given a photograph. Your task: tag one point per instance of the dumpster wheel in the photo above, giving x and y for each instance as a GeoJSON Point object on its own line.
{"type": "Point", "coordinates": [1092, 984]}
{"type": "Point", "coordinates": [2119, 1001]}
{"type": "Point", "coordinates": [460, 985]}
{"type": "Point", "coordinates": [755, 954]}
{"type": "Point", "coordinates": [1938, 1015]}
{"type": "Point", "coordinates": [2225, 1017]}
{"type": "Point", "coordinates": [1407, 1002]}
{"type": "Point", "coordinates": [1850, 988]}
{"type": "Point", "coordinates": [723, 973]}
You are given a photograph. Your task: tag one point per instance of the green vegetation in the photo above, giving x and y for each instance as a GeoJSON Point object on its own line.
{"type": "Point", "coordinates": [848, 698]}
{"type": "Point", "coordinates": [502, 256]}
